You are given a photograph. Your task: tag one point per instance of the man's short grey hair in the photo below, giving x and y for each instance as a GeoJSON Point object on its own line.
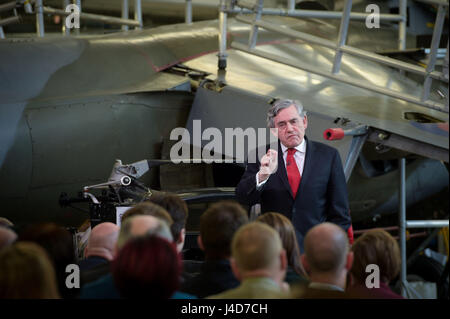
{"type": "Point", "coordinates": [281, 104]}
{"type": "Point", "coordinates": [161, 229]}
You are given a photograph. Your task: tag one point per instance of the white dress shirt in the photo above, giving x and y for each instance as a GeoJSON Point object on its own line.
{"type": "Point", "coordinates": [299, 157]}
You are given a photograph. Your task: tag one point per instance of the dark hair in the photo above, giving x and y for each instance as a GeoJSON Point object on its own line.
{"type": "Point", "coordinates": [286, 231]}
{"type": "Point", "coordinates": [147, 267]}
{"type": "Point", "coordinates": [217, 227]}
{"type": "Point", "coordinates": [150, 209]}
{"type": "Point", "coordinates": [58, 243]}
{"type": "Point", "coordinates": [177, 209]}
{"type": "Point", "coordinates": [376, 247]}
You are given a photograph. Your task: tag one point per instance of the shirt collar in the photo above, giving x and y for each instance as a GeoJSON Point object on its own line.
{"type": "Point", "coordinates": [300, 148]}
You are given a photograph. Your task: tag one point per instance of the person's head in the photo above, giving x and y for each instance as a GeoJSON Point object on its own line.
{"type": "Point", "coordinates": [327, 258]}
{"type": "Point", "coordinates": [290, 120]}
{"type": "Point", "coordinates": [26, 272]}
{"type": "Point", "coordinates": [375, 247]}
{"type": "Point", "coordinates": [149, 209]}
{"type": "Point", "coordinates": [102, 241]}
{"type": "Point", "coordinates": [7, 237]}
{"type": "Point", "coordinates": [286, 231]}
{"type": "Point", "coordinates": [5, 222]}
{"type": "Point", "coordinates": [257, 251]}
{"type": "Point", "coordinates": [58, 243]}
{"type": "Point", "coordinates": [142, 225]}
{"type": "Point", "coordinates": [177, 209]}
{"type": "Point", "coordinates": [147, 267]}
{"type": "Point", "coordinates": [217, 227]}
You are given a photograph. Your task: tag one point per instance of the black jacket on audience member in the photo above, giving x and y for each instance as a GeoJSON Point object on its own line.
{"type": "Point", "coordinates": [215, 277]}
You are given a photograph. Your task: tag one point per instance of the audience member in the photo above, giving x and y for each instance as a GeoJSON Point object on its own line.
{"type": "Point", "coordinates": [376, 247]}
{"type": "Point", "coordinates": [259, 262]}
{"type": "Point", "coordinates": [58, 243]}
{"type": "Point", "coordinates": [284, 227]}
{"type": "Point", "coordinates": [217, 227]}
{"type": "Point", "coordinates": [26, 272]}
{"type": "Point", "coordinates": [149, 209]}
{"type": "Point", "coordinates": [147, 267]}
{"type": "Point", "coordinates": [327, 260]}
{"type": "Point", "coordinates": [132, 227]}
{"type": "Point", "coordinates": [177, 209]}
{"type": "Point", "coordinates": [5, 222]}
{"type": "Point", "coordinates": [7, 237]}
{"type": "Point", "coordinates": [99, 252]}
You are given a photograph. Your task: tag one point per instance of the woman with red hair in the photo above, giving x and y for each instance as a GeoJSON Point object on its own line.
{"type": "Point", "coordinates": [147, 267]}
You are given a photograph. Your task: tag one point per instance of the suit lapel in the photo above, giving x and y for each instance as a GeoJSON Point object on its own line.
{"type": "Point", "coordinates": [281, 170]}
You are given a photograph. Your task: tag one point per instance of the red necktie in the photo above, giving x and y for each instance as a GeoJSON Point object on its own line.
{"type": "Point", "coordinates": [292, 171]}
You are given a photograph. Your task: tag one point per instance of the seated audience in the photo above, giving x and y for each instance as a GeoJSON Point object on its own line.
{"type": "Point", "coordinates": [98, 252]}
{"type": "Point", "coordinates": [380, 248]}
{"type": "Point", "coordinates": [217, 227]}
{"type": "Point", "coordinates": [258, 262]}
{"type": "Point", "coordinates": [132, 227]}
{"type": "Point", "coordinates": [327, 260]}
{"type": "Point", "coordinates": [149, 209]}
{"type": "Point", "coordinates": [58, 243]}
{"type": "Point", "coordinates": [284, 227]}
{"type": "Point", "coordinates": [147, 267]}
{"type": "Point", "coordinates": [26, 272]}
{"type": "Point", "coordinates": [177, 209]}
{"type": "Point", "coordinates": [7, 237]}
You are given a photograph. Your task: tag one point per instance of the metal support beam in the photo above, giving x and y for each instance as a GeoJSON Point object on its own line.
{"type": "Point", "coordinates": [9, 20]}
{"type": "Point", "coordinates": [342, 36]}
{"type": "Point", "coordinates": [353, 154]}
{"type": "Point", "coordinates": [78, 4]}
{"type": "Point", "coordinates": [254, 31]}
{"type": "Point", "coordinates": [426, 223]}
{"type": "Point", "coordinates": [2, 33]}
{"type": "Point", "coordinates": [188, 12]}
{"type": "Point", "coordinates": [403, 5]}
{"type": "Point", "coordinates": [125, 14]}
{"type": "Point", "coordinates": [7, 6]}
{"type": "Point", "coordinates": [65, 30]}
{"type": "Point", "coordinates": [39, 18]}
{"type": "Point", "coordinates": [317, 14]}
{"type": "Point", "coordinates": [291, 5]}
{"type": "Point", "coordinates": [437, 32]}
{"type": "Point", "coordinates": [138, 13]}
{"type": "Point", "coordinates": [402, 222]}
{"type": "Point", "coordinates": [222, 63]}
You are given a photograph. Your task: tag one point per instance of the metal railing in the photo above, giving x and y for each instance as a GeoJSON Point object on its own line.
{"type": "Point", "coordinates": [340, 48]}
{"type": "Point", "coordinates": [9, 20]}
{"type": "Point", "coordinates": [124, 21]}
{"type": "Point", "coordinates": [405, 224]}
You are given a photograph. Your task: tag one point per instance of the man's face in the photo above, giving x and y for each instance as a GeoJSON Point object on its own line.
{"type": "Point", "coordinates": [291, 127]}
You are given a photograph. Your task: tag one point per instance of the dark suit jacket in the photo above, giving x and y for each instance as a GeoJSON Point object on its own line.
{"type": "Point", "coordinates": [215, 277]}
{"type": "Point", "coordinates": [322, 194]}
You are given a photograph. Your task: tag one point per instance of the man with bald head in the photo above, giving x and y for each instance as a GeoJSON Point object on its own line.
{"type": "Point", "coordinates": [259, 262]}
{"type": "Point", "coordinates": [133, 227]}
{"type": "Point", "coordinates": [327, 260]}
{"type": "Point", "coordinates": [7, 237]}
{"type": "Point", "coordinates": [98, 252]}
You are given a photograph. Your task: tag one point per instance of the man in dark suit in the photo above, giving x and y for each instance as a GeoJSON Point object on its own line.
{"type": "Point", "coordinates": [304, 180]}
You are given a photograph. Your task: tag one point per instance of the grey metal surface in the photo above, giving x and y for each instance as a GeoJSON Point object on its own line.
{"type": "Point", "coordinates": [402, 222]}
{"type": "Point", "coordinates": [265, 77]}
{"type": "Point", "coordinates": [426, 223]}
{"type": "Point", "coordinates": [236, 108]}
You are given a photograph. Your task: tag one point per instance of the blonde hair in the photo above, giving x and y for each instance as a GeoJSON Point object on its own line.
{"type": "Point", "coordinates": [256, 246]}
{"type": "Point", "coordinates": [26, 272]}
